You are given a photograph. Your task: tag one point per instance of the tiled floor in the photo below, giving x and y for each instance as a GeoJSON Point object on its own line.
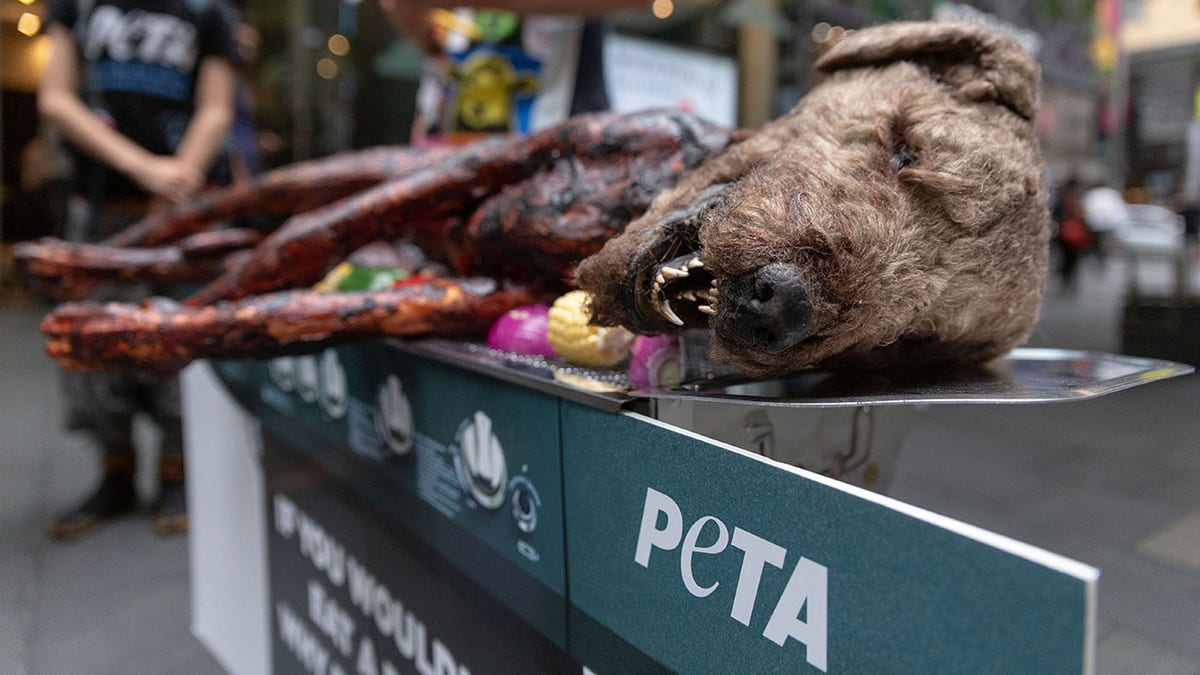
{"type": "Point", "coordinates": [1114, 482]}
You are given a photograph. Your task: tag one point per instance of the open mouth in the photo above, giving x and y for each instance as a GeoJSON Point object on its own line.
{"type": "Point", "coordinates": [684, 286]}
{"type": "Point", "coordinates": [670, 285]}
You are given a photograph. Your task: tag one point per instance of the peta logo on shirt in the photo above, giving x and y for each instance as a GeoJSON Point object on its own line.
{"type": "Point", "coordinates": [145, 37]}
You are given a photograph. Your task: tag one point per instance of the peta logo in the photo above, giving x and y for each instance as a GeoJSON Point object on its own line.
{"type": "Point", "coordinates": [147, 37]}
{"type": "Point", "coordinates": [480, 461]}
{"type": "Point", "coordinates": [806, 590]}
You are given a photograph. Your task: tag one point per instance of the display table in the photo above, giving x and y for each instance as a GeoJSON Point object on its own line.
{"type": "Point", "coordinates": [436, 507]}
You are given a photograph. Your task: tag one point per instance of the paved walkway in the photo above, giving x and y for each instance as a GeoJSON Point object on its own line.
{"type": "Point", "coordinates": [1114, 482]}
{"type": "Point", "coordinates": [113, 603]}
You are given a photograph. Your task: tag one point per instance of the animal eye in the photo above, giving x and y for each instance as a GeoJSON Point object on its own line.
{"type": "Point", "coordinates": [902, 155]}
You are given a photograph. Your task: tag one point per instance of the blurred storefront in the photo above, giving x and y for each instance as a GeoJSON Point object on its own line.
{"type": "Point", "coordinates": [23, 52]}
{"type": "Point", "coordinates": [1162, 41]}
{"type": "Point", "coordinates": [333, 74]}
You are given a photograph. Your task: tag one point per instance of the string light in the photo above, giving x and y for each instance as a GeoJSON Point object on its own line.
{"type": "Point", "coordinates": [662, 8]}
{"type": "Point", "coordinates": [327, 69]}
{"type": "Point", "coordinates": [338, 44]}
{"type": "Point", "coordinates": [29, 24]}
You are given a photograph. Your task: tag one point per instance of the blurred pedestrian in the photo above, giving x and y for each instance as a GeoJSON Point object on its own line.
{"type": "Point", "coordinates": [144, 90]}
{"type": "Point", "coordinates": [1072, 236]}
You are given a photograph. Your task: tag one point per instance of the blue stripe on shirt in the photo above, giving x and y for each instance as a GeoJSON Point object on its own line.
{"type": "Point", "coordinates": [140, 78]}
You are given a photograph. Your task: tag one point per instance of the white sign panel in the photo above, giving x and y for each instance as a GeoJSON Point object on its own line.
{"type": "Point", "coordinates": [642, 74]}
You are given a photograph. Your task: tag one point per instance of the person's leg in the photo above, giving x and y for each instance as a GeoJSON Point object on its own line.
{"type": "Point", "coordinates": [97, 406]}
{"type": "Point", "coordinates": [170, 514]}
{"type": "Point", "coordinates": [1070, 270]}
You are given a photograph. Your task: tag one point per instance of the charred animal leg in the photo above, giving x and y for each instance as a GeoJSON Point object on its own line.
{"type": "Point", "coordinates": [285, 191]}
{"type": "Point", "coordinates": [162, 336]}
{"type": "Point", "coordinates": [63, 271]}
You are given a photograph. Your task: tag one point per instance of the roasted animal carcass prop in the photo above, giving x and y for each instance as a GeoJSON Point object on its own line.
{"type": "Point", "coordinates": [897, 216]}
{"type": "Point", "coordinates": [521, 209]}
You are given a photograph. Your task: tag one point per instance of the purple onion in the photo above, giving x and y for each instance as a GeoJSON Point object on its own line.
{"type": "Point", "coordinates": [522, 331]}
{"type": "Point", "coordinates": [655, 361]}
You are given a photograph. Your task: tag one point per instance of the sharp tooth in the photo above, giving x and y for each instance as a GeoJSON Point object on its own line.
{"type": "Point", "coordinates": [704, 295]}
{"type": "Point", "coordinates": [689, 295]}
{"type": "Point", "coordinates": [669, 314]}
{"type": "Point", "coordinates": [672, 273]}
{"type": "Point", "coordinates": [695, 262]}
{"type": "Point", "coordinates": [660, 279]}
{"type": "Point", "coordinates": [706, 309]}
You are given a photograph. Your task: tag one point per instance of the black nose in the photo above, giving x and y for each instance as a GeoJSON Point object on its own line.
{"type": "Point", "coordinates": [770, 308]}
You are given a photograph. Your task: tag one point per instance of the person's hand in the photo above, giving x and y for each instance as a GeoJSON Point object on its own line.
{"type": "Point", "coordinates": [168, 177]}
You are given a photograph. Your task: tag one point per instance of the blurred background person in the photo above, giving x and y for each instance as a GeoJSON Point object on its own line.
{"type": "Point", "coordinates": [143, 89]}
{"type": "Point", "coordinates": [1072, 236]}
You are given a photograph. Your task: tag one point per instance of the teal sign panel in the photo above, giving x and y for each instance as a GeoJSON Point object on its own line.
{"type": "Point", "coordinates": [478, 456]}
{"type": "Point", "coordinates": [710, 559]}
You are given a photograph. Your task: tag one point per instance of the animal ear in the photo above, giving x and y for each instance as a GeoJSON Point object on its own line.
{"type": "Point", "coordinates": [981, 64]}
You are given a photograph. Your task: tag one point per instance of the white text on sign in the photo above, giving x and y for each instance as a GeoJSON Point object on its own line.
{"type": "Point", "coordinates": [806, 589]}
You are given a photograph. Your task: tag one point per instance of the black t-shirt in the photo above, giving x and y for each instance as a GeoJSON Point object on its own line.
{"type": "Point", "coordinates": [139, 62]}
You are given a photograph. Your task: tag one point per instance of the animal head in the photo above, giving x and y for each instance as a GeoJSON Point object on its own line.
{"type": "Point", "coordinates": [896, 216]}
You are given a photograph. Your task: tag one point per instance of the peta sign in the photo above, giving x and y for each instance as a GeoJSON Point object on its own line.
{"type": "Point", "coordinates": [701, 557]}
{"type": "Point", "coordinates": [806, 590]}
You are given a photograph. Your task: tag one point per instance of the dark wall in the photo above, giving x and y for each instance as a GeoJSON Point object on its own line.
{"type": "Point", "coordinates": [20, 126]}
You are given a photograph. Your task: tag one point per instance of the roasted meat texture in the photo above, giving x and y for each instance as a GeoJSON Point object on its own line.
{"type": "Point", "coordinates": [519, 208]}
{"type": "Point", "coordinates": [282, 192]}
{"type": "Point", "coordinates": [161, 247]}
{"type": "Point", "coordinates": [896, 217]}
{"type": "Point", "coordinates": [160, 335]}
{"type": "Point", "coordinates": [66, 271]}
{"type": "Point", "coordinates": [423, 203]}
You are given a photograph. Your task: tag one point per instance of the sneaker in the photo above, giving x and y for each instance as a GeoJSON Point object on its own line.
{"type": "Point", "coordinates": [114, 497]}
{"type": "Point", "coordinates": [170, 511]}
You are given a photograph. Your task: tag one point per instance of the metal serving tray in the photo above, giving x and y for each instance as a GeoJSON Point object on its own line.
{"type": "Point", "coordinates": [1024, 376]}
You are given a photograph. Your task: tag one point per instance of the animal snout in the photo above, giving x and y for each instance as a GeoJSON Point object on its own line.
{"type": "Point", "coordinates": [770, 308]}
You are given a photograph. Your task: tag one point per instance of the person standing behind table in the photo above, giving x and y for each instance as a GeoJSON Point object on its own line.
{"type": "Point", "coordinates": [505, 67]}
{"type": "Point", "coordinates": [144, 90]}
{"type": "Point", "coordinates": [1073, 237]}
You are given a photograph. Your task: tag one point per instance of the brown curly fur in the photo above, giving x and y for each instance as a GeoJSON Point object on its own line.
{"type": "Point", "coordinates": [940, 260]}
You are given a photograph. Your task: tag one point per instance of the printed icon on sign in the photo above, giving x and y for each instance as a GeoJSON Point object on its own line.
{"type": "Point", "coordinates": [526, 549]}
{"type": "Point", "coordinates": [525, 504]}
{"type": "Point", "coordinates": [480, 461]}
{"type": "Point", "coordinates": [395, 419]}
{"type": "Point", "coordinates": [282, 372]}
{"type": "Point", "coordinates": [306, 378]}
{"type": "Point", "coordinates": [333, 391]}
